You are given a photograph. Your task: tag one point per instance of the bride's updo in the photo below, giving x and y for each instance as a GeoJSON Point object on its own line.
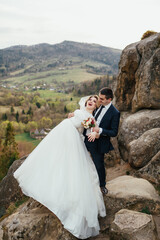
{"type": "Point", "coordinates": [95, 96]}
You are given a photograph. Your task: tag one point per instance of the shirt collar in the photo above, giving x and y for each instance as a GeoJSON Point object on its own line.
{"type": "Point", "coordinates": [108, 106]}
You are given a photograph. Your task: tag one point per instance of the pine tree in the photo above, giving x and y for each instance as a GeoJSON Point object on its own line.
{"type": "Point", "coordinates": [30, 112]}
{"type": "Point", "coordinates": [12, 109]}
{"type": "Point", "coordinates": [4, 117]}
{"type": "Point", "coordinates": [9, 151]}
{"type": "Point", "coordinates": [38, 105]}
{"type": "Point", "coordinates": [65, 109]}
{"type": "Point", "coordinates": [17, 116]}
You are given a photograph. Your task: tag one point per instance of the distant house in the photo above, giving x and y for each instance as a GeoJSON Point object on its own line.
{"type": "Point", "coordinates": [39, 133]}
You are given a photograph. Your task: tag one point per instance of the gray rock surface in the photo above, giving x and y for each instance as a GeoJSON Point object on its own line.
{"type": "Point", "coordinates": [34, 221]}
{"type": "Point", "coordinates": [128, 187]}
{"type": "Point", "coordinates": [138, 84]}
{"type": "Point", "coordinates": [151, 171]}
{"type": "Point", "coordinates": [133, 126]}
{"type": "Point", "coordinates": [132, 225]}
{"type": "Point", "coordinates": [143, 149]}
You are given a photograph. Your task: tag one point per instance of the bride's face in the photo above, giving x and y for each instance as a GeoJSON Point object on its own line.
{"type": "Point", "coordinates": [92, 103]}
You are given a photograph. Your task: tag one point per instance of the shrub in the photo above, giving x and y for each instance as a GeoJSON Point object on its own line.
{"type": "Point", "coordinates": [147, 34]}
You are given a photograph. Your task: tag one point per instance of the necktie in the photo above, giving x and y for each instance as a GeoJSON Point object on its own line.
{"type": "Point", "coordinates": [97, 115]}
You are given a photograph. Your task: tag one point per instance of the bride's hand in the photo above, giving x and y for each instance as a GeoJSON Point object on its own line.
{"type": "Point", "coordinates": [70, 114]}
{"type": "Point", "coordinates": [92, 136]}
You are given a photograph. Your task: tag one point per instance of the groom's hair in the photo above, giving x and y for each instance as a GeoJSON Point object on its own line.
{"type": "Point", "coordinates": [107, 92]}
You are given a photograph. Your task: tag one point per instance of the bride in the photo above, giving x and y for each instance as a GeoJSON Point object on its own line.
{"type": "Point", "coordinates": [61, 175]}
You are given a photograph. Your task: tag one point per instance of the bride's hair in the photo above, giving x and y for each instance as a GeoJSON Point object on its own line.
{"type": "Point", "coordinates": [95, 96]}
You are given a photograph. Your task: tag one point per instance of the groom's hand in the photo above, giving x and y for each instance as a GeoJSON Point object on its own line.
{"type": "Point", "coordinates": [71, 115]}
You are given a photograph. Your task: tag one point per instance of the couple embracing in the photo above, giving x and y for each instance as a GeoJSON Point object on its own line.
{"type": "Point", "coordinates": [66, 172]}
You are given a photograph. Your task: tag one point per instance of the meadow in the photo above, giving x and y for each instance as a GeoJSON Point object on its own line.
{"type": "Point", "coordinates": [26, 144]}
{"type": "Point", "coordinates": [56, 77]}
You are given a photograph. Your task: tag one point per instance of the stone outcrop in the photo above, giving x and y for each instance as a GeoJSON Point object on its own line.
{"type": "Point", "coordinates": [133, 126]}
{"type": "Point", "coordinates": [128, 187]}
{"type": "Point", "coordinates": [138, 99]}
{"type": "Point", "coordinates": [143, 149]}
{"type": "Point", "coordinates": [9, 189]}
{"type": "Point", "coordinates": [138, 84]}
{"type": "Point", "coordinates": [34, 221]}
{"type": "Point", "coordinates": [151, 171]}
{"type": "Point", "coordinates": [132, 225]}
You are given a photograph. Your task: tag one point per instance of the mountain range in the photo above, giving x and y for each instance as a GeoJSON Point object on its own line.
{"type": "Point", "coordinates": [16, 57]}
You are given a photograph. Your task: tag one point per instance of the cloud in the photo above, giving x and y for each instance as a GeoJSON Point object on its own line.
{"type": "Point", "coordinates": [111, 23]}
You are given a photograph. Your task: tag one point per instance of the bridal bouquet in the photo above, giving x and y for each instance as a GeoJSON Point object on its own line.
{"type": "Point", "coordinates": [88, 123]}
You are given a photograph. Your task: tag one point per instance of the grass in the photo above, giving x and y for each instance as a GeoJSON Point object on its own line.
{"type": "Point", "coordinates": [46, 94]}
{"type": "Point", "coordinates": [20, 71]}
{"type": "Point", "coordinates": [13, 206]}
{"type": "Point", "coordinates": [5, 109]}
{"type": "Point", "coordinates": [146, 210]}
{"type": "Point", "coordinates": [25, 137]}
{"type": "Point", "coordinates": [56, 76]}
{"type": "Point", "coordinates": [26, 144]}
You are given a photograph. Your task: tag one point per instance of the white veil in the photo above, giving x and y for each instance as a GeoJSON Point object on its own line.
{"type": "Point", "coordinates": [82, 102]}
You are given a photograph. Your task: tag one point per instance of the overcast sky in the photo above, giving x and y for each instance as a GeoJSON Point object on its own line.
{"type": "Point", "coordinates": [112, 23]}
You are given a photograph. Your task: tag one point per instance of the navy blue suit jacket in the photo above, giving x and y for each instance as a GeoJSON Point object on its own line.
{"type": "Point", "coordinates": [109, 124]}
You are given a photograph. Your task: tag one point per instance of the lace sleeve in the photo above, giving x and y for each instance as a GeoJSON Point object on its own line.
{"type": "Point", "coordinates": [78, 118]}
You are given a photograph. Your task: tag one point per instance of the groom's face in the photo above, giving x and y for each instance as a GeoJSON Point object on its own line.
{"type": "Point", "coordinates": [103, 101]}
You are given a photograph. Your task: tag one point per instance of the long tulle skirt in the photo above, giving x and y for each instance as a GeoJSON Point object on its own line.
{"type": "Point", "coordinates": [60, 174]}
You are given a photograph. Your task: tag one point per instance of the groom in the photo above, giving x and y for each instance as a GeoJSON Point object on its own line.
{"type": "Point", "coordinates": [107, 119]}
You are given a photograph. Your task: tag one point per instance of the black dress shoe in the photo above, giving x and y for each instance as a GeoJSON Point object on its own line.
{"type": "Point", "coordinates": [104, 190]}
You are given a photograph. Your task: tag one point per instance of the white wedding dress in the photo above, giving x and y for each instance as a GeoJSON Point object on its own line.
{"type": "Point", "coordinates": [61, 175]}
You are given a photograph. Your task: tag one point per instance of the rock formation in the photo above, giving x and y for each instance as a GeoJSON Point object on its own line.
{"type": "Point", "coordinates": [138, 99]}
{"type": "Point", "coordinates": [151, 171]}
{"type": "Point", "coordinates": [138, 84]}
{"type": "Point", "coordinates": [133, 126]}
{"type": "Point", "coordinates": [144, 148]}
{"type": "Point", "coordinates": [34, 221]}
{"type": "Point", "coordinates": [132, 225]}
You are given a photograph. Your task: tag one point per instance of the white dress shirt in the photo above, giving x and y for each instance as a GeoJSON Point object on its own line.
{"type": "Point", "coordinates": [104, 110]}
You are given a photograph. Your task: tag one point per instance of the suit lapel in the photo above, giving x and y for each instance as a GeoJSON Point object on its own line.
{"type": "Point", "coordinates": [106, 114]}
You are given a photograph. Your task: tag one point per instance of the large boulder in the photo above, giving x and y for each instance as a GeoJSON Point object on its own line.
{"type": "Point", "coordinates": [133, 126]}
{"type": "Point", "coordinates": [143, 149]}
{"type": "Point", "coordinates": [131, 193]}
{"type": "Point", "coordinates": [129, 187]}
{"type": "Point", "coordinates": [151, 171]}
{"type": "Point", "coordinates": [132, 225]}
{"type": "Point", "coordinates": [138, 83]}
{"type": "Point", "coordinates": [34, 221]}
